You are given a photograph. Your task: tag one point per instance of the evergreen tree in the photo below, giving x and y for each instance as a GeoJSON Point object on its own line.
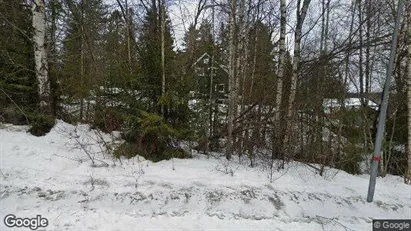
{"type": "Point", "coordinates": [18, 92]}
{"type": "Point", "coordinates": [260, 84]}
{"type": "Point", "coordinates": [150, 59]}
{"type": "Point", "coordinates": [152, 132]}
{"type": "Point", "coordinates": [115, 59]}
{"type": "Point", "coordinates": [83, 67]}
{"type": "Point", "coordinates": [55, 12]}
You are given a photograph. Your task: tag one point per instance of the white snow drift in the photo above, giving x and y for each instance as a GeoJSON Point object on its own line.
{"type": "Point", "coordinates": [52, 176]}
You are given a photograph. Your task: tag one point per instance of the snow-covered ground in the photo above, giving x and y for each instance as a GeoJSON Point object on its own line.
{"type": "Point", "coordinates": [51, 176]}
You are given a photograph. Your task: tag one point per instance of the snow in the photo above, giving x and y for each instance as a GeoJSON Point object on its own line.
{"type": "Point", "coordinates": [52, 176]}
{"type": "Point", "coordinates": [348, 103]}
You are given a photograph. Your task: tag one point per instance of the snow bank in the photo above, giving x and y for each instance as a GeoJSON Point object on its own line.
{"type": "Point", "coordinates": [52, 176]}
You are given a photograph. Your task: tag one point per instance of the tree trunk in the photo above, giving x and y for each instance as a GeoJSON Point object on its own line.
{"type": "Point", "coordinates": [301, 13]}
{"type": "Point", "coordinates": [360, 64]}
{"type": "Point", "coordinates": [327, 22]}
{"type": "Point", "coordinates": [280, 75]}
{"type": "Point", "coordinates": [367, 50]}
{"type": "Point", "coordinates": [241, 68]}
{"type": "Point", "coordinates": [52, 53]}
{"type": "Point", "coordinates": [408, 177]}
{"type": "Point", "coordinates": [129, 31]}
{"type": "Point", "coordinates": [82, 60]}
{"type": "Point", "coordinates": [211, 110]}
{"type": "Point", "coordinates": [276, 146]}
{"type": "Point", "coordinates": [163, 69]}
{"type": "Point", "coordinates": [40, 55]}
{"type": "Point", "coordinates": [127, 15]}
{"type": "Point", "coordinates": [232, 94]}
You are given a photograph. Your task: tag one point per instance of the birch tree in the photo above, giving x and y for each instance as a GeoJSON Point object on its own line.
{"type": "Point", "coordinates": [280, 75]}
{"type": "Point", "coordinates": [40, 55]}
{"type": "Point", "coordinates": [301, 13]}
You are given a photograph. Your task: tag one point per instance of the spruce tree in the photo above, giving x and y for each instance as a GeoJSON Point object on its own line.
{"type": "Point", "coordinates": [83, 66]}
{"type": "Point", "coordinates": [18, 95]}
{"type": "Point", "coordinates": [150, 59]}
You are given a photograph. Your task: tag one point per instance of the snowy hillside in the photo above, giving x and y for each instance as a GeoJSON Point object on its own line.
{"type": "Point", "coordinates": [53, 177]}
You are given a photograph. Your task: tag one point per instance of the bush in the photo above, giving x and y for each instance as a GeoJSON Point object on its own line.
{"type": "Point", "coordinates": [41, 124]}
{"type": "Point", "coordinates": [152, 138]}
{"type": "Point", "coordinates": [130, 150]}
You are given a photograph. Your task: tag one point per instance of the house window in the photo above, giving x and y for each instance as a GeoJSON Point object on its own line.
{"type": "Point", "coordinates": [206, 60]}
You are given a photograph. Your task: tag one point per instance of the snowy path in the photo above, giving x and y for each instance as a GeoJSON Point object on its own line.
{"type": "Point", "coordinates": [44, 176]}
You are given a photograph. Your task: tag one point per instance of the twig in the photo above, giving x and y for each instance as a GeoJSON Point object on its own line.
{"type": "Point", "coordinates": [227, 169]}
{"type": "Point", "coordinates": [285, 172]}
{"type": "Point", "coordinates": [92, 181]}
{"type": "Point", "coordinates": [82, 146]}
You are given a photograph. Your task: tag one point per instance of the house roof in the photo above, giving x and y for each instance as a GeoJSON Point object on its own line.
{"type": "Point", "coordinates": [224, 68]}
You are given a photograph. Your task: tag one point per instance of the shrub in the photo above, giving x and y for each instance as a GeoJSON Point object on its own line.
{"type": "Point", "coordinates": [152, 138]}
{"type": "Point", "coordinates": [41, 124]}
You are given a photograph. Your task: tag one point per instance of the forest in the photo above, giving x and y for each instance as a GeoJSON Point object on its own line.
{"type": "Point", "coordinates": [266, 81]}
